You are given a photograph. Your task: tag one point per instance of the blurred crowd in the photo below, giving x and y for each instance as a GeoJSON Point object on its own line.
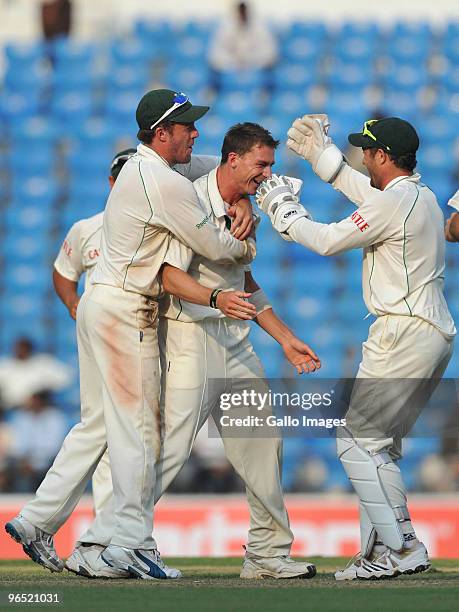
{"type": "Point", "coordinates": [33, 426]}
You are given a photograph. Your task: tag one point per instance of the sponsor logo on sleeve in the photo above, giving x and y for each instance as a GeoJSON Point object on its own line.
{"type": "Point", "coordinates": [359, 221]}
{"type": "Point", "coordinates": [67, 248]}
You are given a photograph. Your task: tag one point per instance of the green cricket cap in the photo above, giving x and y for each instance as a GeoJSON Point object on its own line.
{"type": "Point", "coordinates": [157, 102]}
{"type": "Point", "coordinates": [392, 134]}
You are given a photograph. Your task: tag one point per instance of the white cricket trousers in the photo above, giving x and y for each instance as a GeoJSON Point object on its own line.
{"type": "Point", "coordinates": [199, 361]}
{"type": "Point", "coordinates": [402, 359]}
{"type": "Point", "coordinates": [119, 381]}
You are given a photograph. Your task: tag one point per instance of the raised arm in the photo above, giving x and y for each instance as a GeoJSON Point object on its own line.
{"type": "Point", "coordinates": [308, 137]}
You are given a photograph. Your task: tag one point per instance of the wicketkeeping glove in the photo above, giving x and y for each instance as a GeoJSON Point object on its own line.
{"type": "Point", "coordinates": [275, 197]}
{"type": "Point", "coordinates": [308, 137]}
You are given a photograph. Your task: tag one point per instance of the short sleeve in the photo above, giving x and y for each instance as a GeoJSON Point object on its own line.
{"type": "Point", "coordinates": [69, 262]}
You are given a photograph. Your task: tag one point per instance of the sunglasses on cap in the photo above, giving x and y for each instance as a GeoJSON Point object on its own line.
{"type": "Point", "coordinates": [367, 132]}
{"type": "Point", "coordinates": [178, 101]}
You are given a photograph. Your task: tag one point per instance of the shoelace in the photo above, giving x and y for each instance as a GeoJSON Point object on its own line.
{"type": "Point", "coordinates": [158, 559]}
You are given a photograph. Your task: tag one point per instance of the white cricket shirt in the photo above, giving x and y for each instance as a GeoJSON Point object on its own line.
{"type": "Point", "coordinates": [150, 206]}
{"type": "Point", "coordinates": [213, 274]}
{"type": "Point", "coordinates": [80, 250]}
{"type": "Point", "coordinates": [81, 247]}
{"type": "Point", "coordinates": [401, 232]}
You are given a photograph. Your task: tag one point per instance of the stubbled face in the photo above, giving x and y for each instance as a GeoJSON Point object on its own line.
{"type": "Point", "coordinates": [370, 161]}
{"type": "Point", "coordinates": [181, 142]}
{"type": "Point", "coordinates": [253, 167]}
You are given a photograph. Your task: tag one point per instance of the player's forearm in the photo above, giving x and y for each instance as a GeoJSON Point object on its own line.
{"type": "Point", "coordinates": [182, 285]}
{"type": "Point", "coordinates": [275, 327]}
{"type": "Point", "coordinates": [317, 237]}
{"type": "Point", "coordinates": [66, 289]}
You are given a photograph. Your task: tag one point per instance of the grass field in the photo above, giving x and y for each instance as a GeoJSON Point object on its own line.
{"type": "Point", "coordinates": [212, 585]}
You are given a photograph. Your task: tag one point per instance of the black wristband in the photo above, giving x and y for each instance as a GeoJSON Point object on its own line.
{"type": "Point", "coordinates": [213, 298]}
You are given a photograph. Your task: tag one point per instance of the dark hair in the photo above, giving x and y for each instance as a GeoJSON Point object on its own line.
{"type": "Point", "coordinates": [240, 138]}
{"type": "Point", "coordinates": [405, 162]}
{"type": "Point", "coordinates": [146, 136]}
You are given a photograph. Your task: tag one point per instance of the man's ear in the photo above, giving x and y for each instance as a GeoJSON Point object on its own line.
{"type": "Point", "coordinates": [233, 159]}
{"type": "Point", "coordinates": [162, 134]}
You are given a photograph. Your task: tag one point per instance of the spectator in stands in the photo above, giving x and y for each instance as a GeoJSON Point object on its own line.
{"type": "Point", "coordinates": [56, 18]}
{"type": "Point", "coordinates": [27, 372]}
{"type": "Point", "coordinates": [242, 43]}
{"type": "Point", "coordinates": [37, 431]}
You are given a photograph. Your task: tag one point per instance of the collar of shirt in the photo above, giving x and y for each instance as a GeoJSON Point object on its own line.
{"type": "Point", "coordinates": [414, 178]}
{"type": "Point", "coordinates": [217, 203]}
{"type": "Point", "coordinates": [145, 151]}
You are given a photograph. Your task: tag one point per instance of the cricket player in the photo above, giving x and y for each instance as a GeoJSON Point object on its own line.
{"type": "Point", "coordinates": [400, 226]}
{"type": "Point", "coordinates": [452, 224]}
{"type": "Point", "coordinates": [204, 354]}
{"type": "Point", "coordinates": [149, 208]}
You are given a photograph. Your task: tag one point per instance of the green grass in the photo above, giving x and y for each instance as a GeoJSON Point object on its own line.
{"type": "Point", "coordinates": [211, 585]}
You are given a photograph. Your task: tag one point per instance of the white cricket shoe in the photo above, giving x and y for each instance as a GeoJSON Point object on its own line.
{"type": "Point", "coordinates": [388, 564]}
{"type": "Point", "coordinates": [275, 567]}
{"type": "Point", "coordinates": [86, 561]}
{"type": "Point", "coordinates": [145, 564]}
{"type": "Point", "coordinates": [36, 543]}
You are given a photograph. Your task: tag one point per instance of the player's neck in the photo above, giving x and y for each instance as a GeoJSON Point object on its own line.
{"type": "Point", "coordinates": [392, 175]}
{"type": "Point", "coordinates": [228, 190]}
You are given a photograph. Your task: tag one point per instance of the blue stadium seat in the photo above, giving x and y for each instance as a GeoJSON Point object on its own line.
{"type": "Point", "coordinates": [294, 77]}
{"type": "Point", "coordinates": [16, 107]}
{"type": "Point", "coordinates": [24, 248]}
{"type": "Point", "coordinates": [189, 78]}
{"type": "Point", "coordinates": [20, 216]}
{"type": "Point", "coordinates": [247, 81]}
{"type": "Point", "coordinates": [435, 157]}
{"type": "Point", "coordinates": [127, 79]}
{"type": "Point", "coordinates": [131, 52]}
{"type": "Point", "coordinates": [74, 55]}
{"type": "Point", "coordinates": [38, 129]}
{"type": "Point", "coordinates": [237, 106]}
{"type": "Point", "coordinates": [72, 108]}
{"type": "Point", "coordinates": [22, 55]}
{"type": "Point", "coordinates": [436, 128]}
{"type": "Point", "coordinates": [35, 77]}
{"type": "Point", "coordinates": [22, 166]}
{"type": "Point", "coordinates": [34, 190]}
{"type": "Point", "coordinates": [120, 111]}
{"type": "Point", "coordinates": [70, 81]}
{"type": "Point", "coordinates": [301, 49]}
{"type": "Point", "coordinates": [157, 34]}
{"type": "Point", "coordinates": [29, 278]}
{"type": "Point", "coordinates": [400, 103]}
{"type": "Point", "coordinates": [351, 76]}
{"type": "Point", "coordinates": [404, 77]}
{"type": "Point", "coordinates": [90, 191]}
{"type": "Point", "coordinates": [190, 48]}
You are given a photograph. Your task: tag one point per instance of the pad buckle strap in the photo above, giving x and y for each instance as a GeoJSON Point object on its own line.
{"type": "Point", "coordinates": [401, 513]}
{"type": "Point", "coordinates": [381, 459]}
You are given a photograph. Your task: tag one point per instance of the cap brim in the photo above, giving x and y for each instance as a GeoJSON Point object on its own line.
{"type": "Point", "coordinates": [359, 140]}
{"type": "Point", "coordinates": [190, 115]}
